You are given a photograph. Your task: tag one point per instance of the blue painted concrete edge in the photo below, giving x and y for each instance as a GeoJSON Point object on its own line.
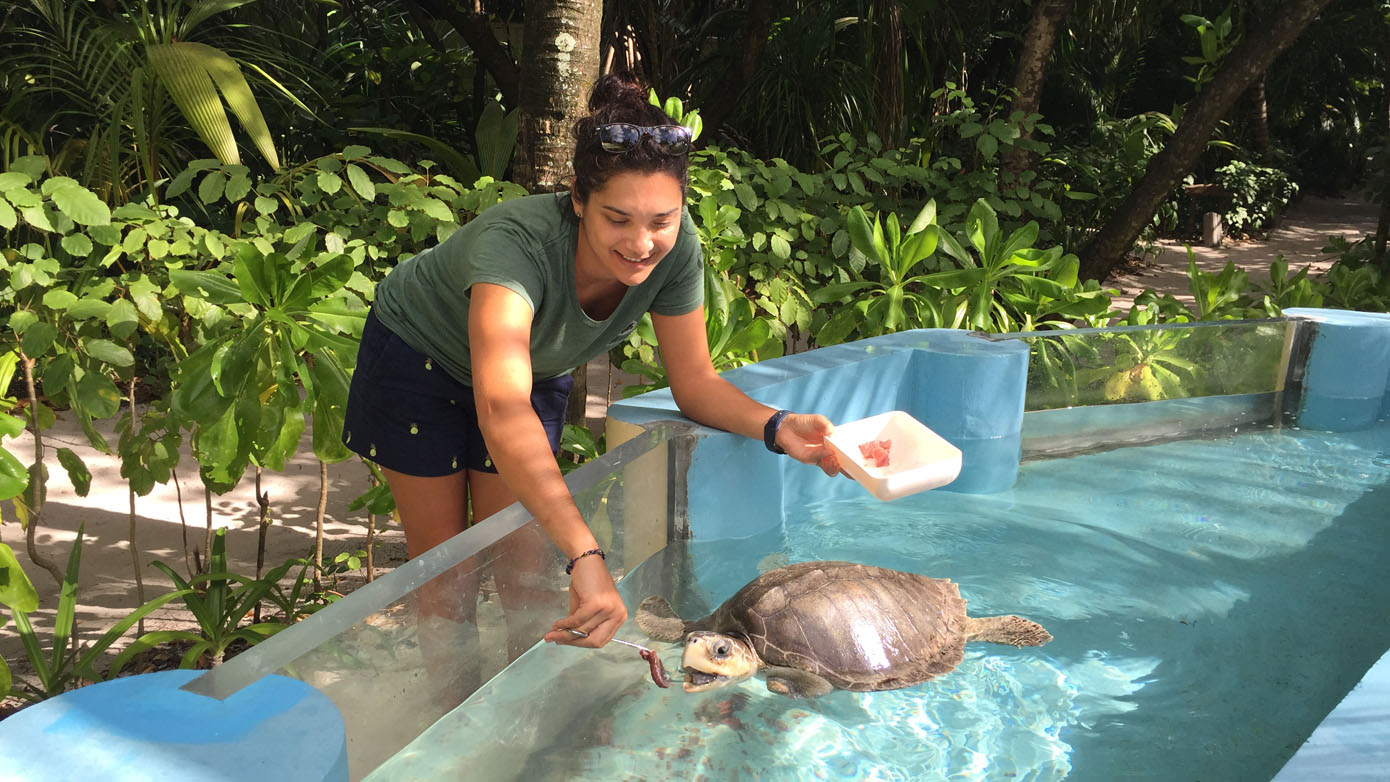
{"type": "Point", "coordinates": [967, 388]}
{"type": "Point", "coordinates": [1347, 377]}
{"type": "Point", "coordinates": [145, 727]}
{"type": "Point", "coordinates": [1352, 744]}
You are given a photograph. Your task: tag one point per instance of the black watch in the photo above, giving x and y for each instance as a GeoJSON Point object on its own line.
{"type": "Point", "coordinates": [770, 430]}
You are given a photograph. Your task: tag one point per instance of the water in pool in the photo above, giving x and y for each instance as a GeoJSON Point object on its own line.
{"type": "Point", "coordinates": [1210, 600]}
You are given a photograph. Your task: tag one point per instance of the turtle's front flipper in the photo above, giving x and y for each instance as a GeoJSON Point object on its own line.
{"type": "Point", "coordinates": [658, 620]}
{"type": "Point", "coordinates": [795, 683]}
{"type": "Point", "coordinates": [1013, 630]}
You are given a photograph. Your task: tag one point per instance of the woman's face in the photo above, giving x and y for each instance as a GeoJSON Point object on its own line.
{"type": "Point", "coordinates": [628, 226]}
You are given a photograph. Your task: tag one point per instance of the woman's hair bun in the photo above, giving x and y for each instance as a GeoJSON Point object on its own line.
{"type": "Point", "coordinates": [619, 88]}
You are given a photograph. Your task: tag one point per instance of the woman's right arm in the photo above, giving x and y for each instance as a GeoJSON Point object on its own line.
{"type": "Point", "coordinates": [499, 333]}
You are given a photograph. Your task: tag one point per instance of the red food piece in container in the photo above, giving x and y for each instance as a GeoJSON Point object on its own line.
{"type": "Point", "coordinates": [876, 452]}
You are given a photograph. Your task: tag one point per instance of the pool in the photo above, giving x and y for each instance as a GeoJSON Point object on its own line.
{"type": "Point", "coordinates": [1211, 600]}
{"type": "Point", "coordinates": [1210, 565]}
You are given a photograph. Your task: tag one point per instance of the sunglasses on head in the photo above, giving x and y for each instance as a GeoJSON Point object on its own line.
{"type": "Point", "coordinates": [621, 136]}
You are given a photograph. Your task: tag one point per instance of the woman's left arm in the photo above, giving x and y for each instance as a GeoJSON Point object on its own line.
{"type": "Point", "coordinates": [705, 397]}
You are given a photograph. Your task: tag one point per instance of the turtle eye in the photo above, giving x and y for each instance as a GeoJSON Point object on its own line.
{"type": "Point", "coordinates": [721, 649]}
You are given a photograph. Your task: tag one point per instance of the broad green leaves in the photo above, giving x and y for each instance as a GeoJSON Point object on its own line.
{"type": "Point", "coordinates": [890, 297]}
{"type": "Point", "coordinates": [241, 388]}
{"type": "Point", "coordinates": [194, 74]}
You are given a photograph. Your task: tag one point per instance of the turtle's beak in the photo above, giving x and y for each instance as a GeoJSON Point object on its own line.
{"type": "Point", "coordinates": [698, 681]}
{"type": "Point", "coordinates": [713, 660]}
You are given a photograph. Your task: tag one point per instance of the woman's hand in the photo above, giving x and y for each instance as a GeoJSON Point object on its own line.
{"type": "Point", "coordinates": [803, 435]}
{"type": "Point", "coordinates": [596, 608]}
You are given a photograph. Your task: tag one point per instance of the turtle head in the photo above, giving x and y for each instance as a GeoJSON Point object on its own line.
{"type": "Point", "coordinates": [715, 659]}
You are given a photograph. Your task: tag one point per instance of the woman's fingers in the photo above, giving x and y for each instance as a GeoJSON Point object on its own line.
{"type": "Point", "coordinates": [597, 609]}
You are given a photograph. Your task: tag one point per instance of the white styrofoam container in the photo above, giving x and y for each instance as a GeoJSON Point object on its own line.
{"type": "Point", "coordinates": [919, 458]}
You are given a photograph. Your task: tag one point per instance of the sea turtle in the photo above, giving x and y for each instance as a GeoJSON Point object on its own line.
{"type": "Point", "coordinates": [817, 626]}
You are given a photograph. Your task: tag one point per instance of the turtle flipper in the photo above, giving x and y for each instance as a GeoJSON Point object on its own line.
{"type": "Point", "coordinates": [795, 683]}
{"type": "Point", "coordinates": [1012, 630]}
{"type": "Point", "coordinates": [658, 620]}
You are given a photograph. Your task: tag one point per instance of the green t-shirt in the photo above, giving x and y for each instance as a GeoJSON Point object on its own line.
{"type": "Point", "coordinates": [527, 245]}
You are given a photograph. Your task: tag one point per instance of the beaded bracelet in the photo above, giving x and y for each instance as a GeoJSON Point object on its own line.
{"type": "Point", "coordinates": [570, 567]}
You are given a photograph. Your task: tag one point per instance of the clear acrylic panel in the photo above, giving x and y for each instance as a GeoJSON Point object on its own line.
{"type": "Point", "coordinates": [411, 646]}
{"type": "Point", "coordinates": [1151, 363]}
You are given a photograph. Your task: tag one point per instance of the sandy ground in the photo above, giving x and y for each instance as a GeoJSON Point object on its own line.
{"type": "Point", "coordinates": [1300, 238]}
{"type": "Point", "coordinates": [108, 590]}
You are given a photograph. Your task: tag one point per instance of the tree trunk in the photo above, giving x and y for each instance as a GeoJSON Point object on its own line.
{"type": "Point", "coordinates": [888, 71]}
{"type": "Point", "coordinates": [36, 476]}
{"type": "Point", "coordinates": [1038, 44]}
{"type": "Point", "coordinates": [1257, 108]}
{"type": "Point", "coordinates": [1166, 169]}
{"type": "Point", "coordinates": [560, 67]}
{"type": "Point", "coordinates": [1382, 237]}
{"type": "Point", "coordinates": [130, 491]}
{"type": "Point", "coordinates": [722, 102]}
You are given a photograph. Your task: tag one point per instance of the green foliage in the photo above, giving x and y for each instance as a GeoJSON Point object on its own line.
{"type": "Point", "coordinates": [14, 478]}
{"type": "Point", "coordinates": [1215, 42]}
{"type": "Point", "coordinates": [216, 605]}
{"type": "Point", "coordinates": [1257, 195]}
{"type": "Point", "coordinates": [1005, 283]}
{"type": "Point", "coordinates": [1101, 172]}
{"type": "Point", "coordinates": [17, 593]}
{"type": "Point", "coordinates": [300, 599]}
{"type": "Point", "coordinates": [893, 298]}
{"type": "Point", "coordinates": [66, 663]}
{"type": "Point", "coordinates": [675, 109]}
{"type": "Point", "coordinates": [578, 444]}
{"type": "Point", "coordinates": [95, 82]}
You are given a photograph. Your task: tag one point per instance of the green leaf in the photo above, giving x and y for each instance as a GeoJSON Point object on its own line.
{"type": "Point", "coordinates": [109, 352]}
{"type": "Point", "coordinates": [237, 187]}
{"type": "Point", "coordinates": [329, 182]}
{"type": "Point", "coordinates": [58, 372]}
{"type": "Point", "coordinates": [16, 590]}
{"type": "Point", "coordinates": [11, 180]}
{"type": "Point", "coordinates": [135, 240]}
{"type": "Point", "coordinates": [8, 218]}
{"type": "Point", "coordinates": [780, 247]}
{"type": "Point", "coordinates": [81, 205]}
{"type": "Point", "coordinates": [212, 186]}
{"type": "Point", "coordinates": [437, 209]}
{"type": "Point", "coordinates": [255, 275]}
{"type": "Point", "coordinates": [59, 299]}
{"type": "Point", "coordinates": [210, 286]}
{"type": "Point", "coordinates": [38, 338]}
{"type": "Point", "coordinates": [266, 206]}
{"type": "Point", "coordinates": [97, 395]}
{"type": "Point", "coordinates": [331, 387]}
{"type": "Point", "coordinates": [122, 319]}
{"type": "Point", "coordinates": [37, 217]}
{"type": "Point", "coordinates": [77, 245]}
{"type": "Point", "coordinates": [78, 473]}
{"type": "Point", "coordinates": [361, 183]}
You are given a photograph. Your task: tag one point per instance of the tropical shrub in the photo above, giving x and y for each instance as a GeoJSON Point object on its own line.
{"type": "Point", "coordinates": [1257, 194]}
{"type": "Point", "coordinates": [65, 664]}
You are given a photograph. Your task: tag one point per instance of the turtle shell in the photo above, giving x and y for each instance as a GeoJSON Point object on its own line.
{"type": "Point", "coordinates": [858, 626]}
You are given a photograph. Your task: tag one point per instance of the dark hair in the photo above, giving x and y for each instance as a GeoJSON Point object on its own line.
{"type": "Point", "coordinates": [620, 97]}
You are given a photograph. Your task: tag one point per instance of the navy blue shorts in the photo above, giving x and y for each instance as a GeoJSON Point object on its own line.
{"type": "Point", "coordinates": [405, 413]}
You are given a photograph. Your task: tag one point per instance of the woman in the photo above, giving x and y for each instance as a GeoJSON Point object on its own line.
{"type": "Point", "coordinates": [463, 374]}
